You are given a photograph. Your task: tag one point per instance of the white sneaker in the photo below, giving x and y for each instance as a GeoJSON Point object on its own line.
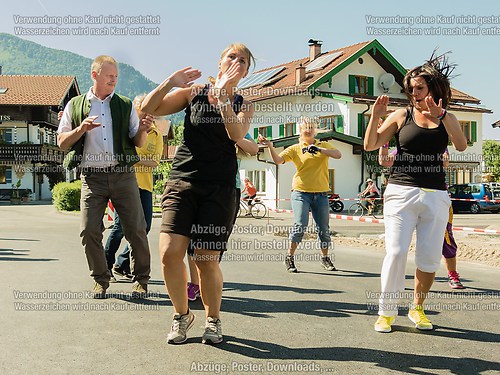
{"type": "Point", "coordinates": [180, 325]}
{"type": "Point", "coordinates": [213, 331]}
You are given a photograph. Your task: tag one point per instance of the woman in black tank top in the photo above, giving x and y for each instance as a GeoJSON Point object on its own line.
{"type": "Point", "coordinates": [415, 197]}
{"type": "Point", "coordinates": [199, 199]}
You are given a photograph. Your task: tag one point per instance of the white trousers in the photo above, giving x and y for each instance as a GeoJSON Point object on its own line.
{"type": "Point", "coordinates": [407, 209]}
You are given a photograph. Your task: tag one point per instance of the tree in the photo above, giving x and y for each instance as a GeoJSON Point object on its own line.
{"type": "Point", "coordinates": [491, 157]}
{"type": "Point", "coordinates": [178, 134]}
{"type": "Point", "coordinates": [161, 173]}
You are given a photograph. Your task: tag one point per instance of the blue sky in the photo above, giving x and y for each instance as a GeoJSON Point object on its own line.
{"type": "Point", "coordinates": [194, 33]}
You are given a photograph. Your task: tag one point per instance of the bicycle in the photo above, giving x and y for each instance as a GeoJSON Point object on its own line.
{"type": "Point", "coordinates": [358, 209]}
{"type": "Point", "coordinates": [256, 209]}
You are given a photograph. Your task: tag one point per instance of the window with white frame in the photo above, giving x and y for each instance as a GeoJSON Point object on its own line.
{"type": "Point", "coordinates": [459, 176]}
{"type": "Point", "coordinates": [263, 131]}
{"type": "Point", "coordinates": [6, 136]}
{"type": "Point", "coordinates": [331, 180]}
{"type": "Point", "coordinates": [332, 122]}
{"type": "Point", "coordinates": [289, 129]}
{"type": "Point", "coordinates": [466, 129]}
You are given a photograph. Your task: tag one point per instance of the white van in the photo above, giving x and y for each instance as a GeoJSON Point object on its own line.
{"type": "Point", "coordinates": [495, 189]}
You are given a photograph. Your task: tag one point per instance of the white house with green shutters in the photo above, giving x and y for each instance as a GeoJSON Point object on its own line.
{"type": "Point", "coordinates": [339, 87]}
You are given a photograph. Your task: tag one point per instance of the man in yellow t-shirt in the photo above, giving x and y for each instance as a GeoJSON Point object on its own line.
{"type": "Point", "coordinates": [150, 154]}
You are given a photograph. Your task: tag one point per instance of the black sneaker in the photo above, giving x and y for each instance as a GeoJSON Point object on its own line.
{"type": "Point", "coordinates": [122, 273]}
{"type": "Point", "coordinates": [327, 264]}
{"type": "Point", "coordinates": [290, 264]}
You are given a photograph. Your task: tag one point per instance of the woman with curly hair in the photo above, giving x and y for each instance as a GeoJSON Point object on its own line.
{"type": "Point", "coordinates": [415, 198]}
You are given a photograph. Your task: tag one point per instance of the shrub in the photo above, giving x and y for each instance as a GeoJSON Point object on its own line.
{"type": "Point", "coordinates": [66, 196]}
{"type": "Point", "coordinates": [160, 175]}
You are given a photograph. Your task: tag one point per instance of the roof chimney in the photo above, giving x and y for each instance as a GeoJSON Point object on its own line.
{"type": "Point", "coordinates": [300, 74]}
{"type": "Point", "coordinates": [0, 69]}
{"type": "Point", "coordinates": [314, 48]}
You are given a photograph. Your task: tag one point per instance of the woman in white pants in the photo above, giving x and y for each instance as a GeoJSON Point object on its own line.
{"type": "Point", "coordinates": [416, 196]}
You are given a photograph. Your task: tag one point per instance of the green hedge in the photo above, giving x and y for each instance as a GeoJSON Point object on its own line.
{"type": "Point", "coordinates": [66, 196]}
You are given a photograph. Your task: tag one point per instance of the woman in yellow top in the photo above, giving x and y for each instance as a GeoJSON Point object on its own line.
{"type": "Point", "coordinates": [310, 188]}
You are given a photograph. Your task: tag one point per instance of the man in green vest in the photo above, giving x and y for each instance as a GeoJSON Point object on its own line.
{"type": "Point", "coordinates": [101, 130]}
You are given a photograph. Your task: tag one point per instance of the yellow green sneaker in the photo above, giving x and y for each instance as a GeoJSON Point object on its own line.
{"type": "Point", "coordinates": [383, 323]}
{"type": "Point", "coordinates": [417, 316]}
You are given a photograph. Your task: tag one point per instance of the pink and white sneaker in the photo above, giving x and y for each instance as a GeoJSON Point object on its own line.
{"type": "Point", "coordinates": [454, 280]}
{"type": "Point", "coordinates": [193, 291]}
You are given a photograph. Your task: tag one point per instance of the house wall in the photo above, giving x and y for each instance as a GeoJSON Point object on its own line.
{"type": "Point", "coordinates": [347, 175]}
{"type": "Point", "coordinates": [19, 132]}
{"type": "Point", "coordinates": [287, 109]}
{"type": "Point", "coordinates": [23, 132]}
{"type": "Point", "coordinates": [474, 151]}
{"type": "Point", "coordinates": [340, 82]}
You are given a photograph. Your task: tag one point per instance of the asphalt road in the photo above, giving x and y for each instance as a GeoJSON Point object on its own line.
{"type": "Point", "coordinates": [273, 322]}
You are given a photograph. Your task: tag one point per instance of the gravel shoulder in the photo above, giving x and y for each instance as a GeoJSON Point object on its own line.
{"type": "Point", "coordinates": [477, 248]}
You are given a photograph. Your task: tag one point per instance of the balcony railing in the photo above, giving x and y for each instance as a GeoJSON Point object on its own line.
{"type": "Point", "coordinates": [30, 153]}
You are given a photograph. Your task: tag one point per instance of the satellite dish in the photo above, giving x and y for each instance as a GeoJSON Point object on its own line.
{"type": "Point", "coordinates": [386, 81]}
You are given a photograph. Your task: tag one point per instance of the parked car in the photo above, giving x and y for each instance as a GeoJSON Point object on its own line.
{"type": "Point", "coordinates": [480, 191]}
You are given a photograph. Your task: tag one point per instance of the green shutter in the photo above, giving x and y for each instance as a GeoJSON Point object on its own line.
{"type": "Point", "coordinates": [340, 124]}
{"type": "Point", "coordinates": [255, 133]}
{"type": "Point", "coordinates": [352, 84]}
{"type": "Point", "coordinates": [282, 130]}
{"type": "Point", "coordinates": [360, 125]}
{"type": "Point", "coordinates": [473, 131]}
{"type": "Point", "coordinates": [370, 86]}
{"type": "Point", "coordinates": [294, 128]}
{"type": "Point", "coordinates": [269, 132]}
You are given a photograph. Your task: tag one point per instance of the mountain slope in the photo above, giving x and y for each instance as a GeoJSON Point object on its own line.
{"type": "Point", "coordinates": [19, 56]}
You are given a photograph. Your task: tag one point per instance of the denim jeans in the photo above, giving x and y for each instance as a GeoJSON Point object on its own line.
{"type": "Point", "coordinates": [116, 235]}
{"type": "Point", "coordinates": [317, 203]}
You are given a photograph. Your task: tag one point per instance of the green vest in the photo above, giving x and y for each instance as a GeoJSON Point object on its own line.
{"type": "Point", "coordinates": [124, 147]}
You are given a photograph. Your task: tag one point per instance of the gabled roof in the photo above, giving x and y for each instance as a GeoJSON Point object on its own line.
{"type": "Point", "coordinates": [283, 83]}
{"type": "Point", "coordinates": [377, 52]}
{"type": "Point", "coordinates": [35, 90]}
{"type": "Point", "coordinates": [460, 96]}
{"type": "Point", "coordinates": [399, 102]}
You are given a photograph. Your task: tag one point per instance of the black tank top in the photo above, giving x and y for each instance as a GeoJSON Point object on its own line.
{"type": "Point", "coordinates": [206, 154]}
{"type": "Point", "coordinates": [419, 158]}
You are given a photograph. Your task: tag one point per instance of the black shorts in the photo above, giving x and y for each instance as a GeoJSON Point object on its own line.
{"type": "Point", "coordinates": [203, 212]}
